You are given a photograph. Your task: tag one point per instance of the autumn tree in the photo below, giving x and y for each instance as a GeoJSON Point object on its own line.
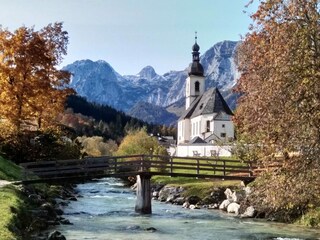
{"type": "Point", "coordinates": [278, 114]}
{"type": "Point", "coordinates": [32, 88]}
{"type": "Point", "coordinates": [96, 146]}
{"type": "Point", "coordinates": [139, 142]}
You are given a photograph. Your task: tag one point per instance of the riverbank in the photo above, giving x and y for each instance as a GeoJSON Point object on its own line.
{"type": "Point", "coordinates": [28, 210]}
{"type": "Point", "coordinates": [228, 196]}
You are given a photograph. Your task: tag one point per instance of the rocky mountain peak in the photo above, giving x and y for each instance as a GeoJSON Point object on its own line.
{"type": "Point", "coordinates": [100, 83]}
{"type": "Point", "coordinates": [148, 73]}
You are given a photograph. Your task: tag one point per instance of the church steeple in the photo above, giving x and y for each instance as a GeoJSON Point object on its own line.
{"type": "Point", "coordinates": [195, 82]}
{"type": "Point", "coordinates": [196, 67]}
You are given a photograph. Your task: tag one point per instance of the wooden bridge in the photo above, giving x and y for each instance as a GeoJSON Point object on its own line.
{"type": "Point", "coordinates": [142, 166]}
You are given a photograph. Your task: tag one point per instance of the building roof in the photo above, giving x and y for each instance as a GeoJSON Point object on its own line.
{"type": "Point", "coordinates": [196, 140]}
{"type": "Point", "coordinates": [211, 137]}
{"type": "Point", "coordinates": [210, 102]}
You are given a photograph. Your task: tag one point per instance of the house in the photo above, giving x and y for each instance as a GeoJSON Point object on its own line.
{"type": "Point", "coordinates": [206, 127]}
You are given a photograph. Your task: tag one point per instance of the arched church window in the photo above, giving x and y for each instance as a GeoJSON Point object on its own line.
{"type": "Point", "coordinates": [197, 86]}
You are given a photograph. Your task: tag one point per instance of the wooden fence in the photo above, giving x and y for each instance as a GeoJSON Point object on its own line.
{"type": "Point", "coordinates": [122, 166]}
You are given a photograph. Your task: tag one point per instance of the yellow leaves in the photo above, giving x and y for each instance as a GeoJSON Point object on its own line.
{"type": "Point", "coordinates": [279, 109]}
{"type": "Point", "coordinates": [139, 142]}
{"type": "Point", "coordinates": [29, 76]}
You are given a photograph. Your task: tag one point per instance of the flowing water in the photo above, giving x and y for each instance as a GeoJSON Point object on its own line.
{"type": "Point", "coordinates": [106, 211]}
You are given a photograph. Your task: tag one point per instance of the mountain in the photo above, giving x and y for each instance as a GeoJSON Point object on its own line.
{"type": "Point", "coordinates": [152, 114]}
{"type": "Point", "coordinates": [100, 83]}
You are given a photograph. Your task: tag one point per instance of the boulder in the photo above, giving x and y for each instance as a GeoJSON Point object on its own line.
{"type": "Point", "coordinates": [247, 190]}
{"type": "Point", "coordinates": [228, 193]}
{"type": "Point", "coordinates": [217, 195]}
{"type": "Point", "coordinates": [186, 205]}
{"type": "Point", "coordinates": [224, 204]}
{"type": "Point", "coordinates": [207, 200]}
{"type": "Point", "coordinates": [157, 187]}
{"type": "Point", "coordinates": [58, 211]}
{"type": "Point", "coordinates": [171, 198]}
{"type": "Point", "coordinates": [56, 235]}
{"type": "Point", "coordinates": [193, 199]}
{"type": "Point", "coordinates": [73, 198]}
{"type": "Point", "coordinates": [194, 206]}
{"type": "Point", "coordinates": [250, 212]}
{"type": "Point", "coordinates": [65, 222]}
{"type": "Point", "coordinates": [36, 199]}
{"type": "Point", "coordinates": [151, 229]}
{"type": "Point", "coordinates": [213, 206]}
{"type": "Point", "coordinates": [238, 196]}
{"type": "Point", "coordinates": [49, 208]}
{"type": "Point", "coordinates": [166, 191]}
{"type": "Point", "coordinates": [155, 194]}
{"type": "Point", "coordinates": [39, 224]}
{"type": "Point", "coordinates": [233, 208]}
{"type": "Point", "coordinates": [133, 227]}
{"type": "Point", "coordinates": [179, 201]}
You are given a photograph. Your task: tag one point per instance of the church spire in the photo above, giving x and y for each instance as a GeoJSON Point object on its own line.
{"type": "Point", "coordinates": [196, 67]}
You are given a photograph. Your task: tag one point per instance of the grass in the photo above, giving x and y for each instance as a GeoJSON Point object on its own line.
{"type": "Point", "coordinates": [193, 186]}
{"type": "Point", "coordinates": [9, 171]}
{"type": "Point", "coordinates": [198, 187]}
{"type": "Point", "coordinates": [11, 205]}
{"type": "Point", "coordinates": [213, 166]}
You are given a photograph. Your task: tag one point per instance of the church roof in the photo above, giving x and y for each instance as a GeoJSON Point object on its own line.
{"type": "Point", "coordinates": [197, 140]}
{"type": "Point", "coordinates": [210, 102]}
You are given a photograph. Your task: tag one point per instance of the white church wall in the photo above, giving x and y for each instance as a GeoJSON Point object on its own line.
{"type": "Point", "coordinates": [183, 131]}
{"type": "Point", "coordinates": [195, 124]}
{"type": "Point", "coordinates": [223, 129]}
{"type": "Point", "coordinates": [204, 131]}
{"type": "Point", "coordinates": [205, 150]}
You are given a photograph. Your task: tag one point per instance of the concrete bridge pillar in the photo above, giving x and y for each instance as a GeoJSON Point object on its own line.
{"type": "Point", "coordinates": [143, 203]}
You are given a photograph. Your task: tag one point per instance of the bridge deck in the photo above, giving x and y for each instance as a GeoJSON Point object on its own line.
{"type": "Point", "coordinates": [122, 166]}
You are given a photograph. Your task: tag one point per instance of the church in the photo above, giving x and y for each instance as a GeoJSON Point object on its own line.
{"type": "Point", "coordinates": [205, 128]}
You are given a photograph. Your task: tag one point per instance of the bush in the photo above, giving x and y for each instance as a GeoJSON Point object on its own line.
{"type": "Point", "coordinates": [96, 146]}
{"type": "Point", "coordinates": [36, 145]}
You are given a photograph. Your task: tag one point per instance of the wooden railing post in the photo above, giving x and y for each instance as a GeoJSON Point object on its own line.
{"type": "Point", "coordinates": [198, 166]}
{"type": "Point", "coordinates": [224, 167]}
{"type": "Point", "coordinates": [250, 169]}
{"type": "Point", "coordinates": [142, 163]}
{"type": "Point", "coordinates": [115, 165]}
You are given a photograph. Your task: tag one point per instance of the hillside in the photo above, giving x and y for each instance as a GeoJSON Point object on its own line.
{"type": "Point", "coordinates": [91, 119]}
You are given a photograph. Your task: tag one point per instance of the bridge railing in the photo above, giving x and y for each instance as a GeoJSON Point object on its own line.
{"type": "Point", "coordinates": [139, 164]}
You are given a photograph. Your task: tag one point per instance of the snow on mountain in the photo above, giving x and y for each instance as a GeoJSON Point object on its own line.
{"type": "Point", "coordinates": [219, 65]}
{"type": "Point", "coordinates": [99, 82]}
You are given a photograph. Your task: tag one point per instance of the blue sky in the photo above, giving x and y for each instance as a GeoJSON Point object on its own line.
{"type": "Point", "coordinates": [131, 34]}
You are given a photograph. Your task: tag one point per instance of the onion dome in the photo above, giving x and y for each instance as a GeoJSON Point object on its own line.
{"type": "Point", "coordinates": [195, 47]}
{"type": "Point", "coordinates": [196, 67]}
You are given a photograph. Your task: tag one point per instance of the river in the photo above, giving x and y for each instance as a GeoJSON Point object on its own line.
{"type": "Point", "coordinates": [106, 211]}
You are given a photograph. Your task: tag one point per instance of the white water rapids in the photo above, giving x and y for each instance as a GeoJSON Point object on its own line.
{"type": "Point", "coordinates": [106, 211]}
